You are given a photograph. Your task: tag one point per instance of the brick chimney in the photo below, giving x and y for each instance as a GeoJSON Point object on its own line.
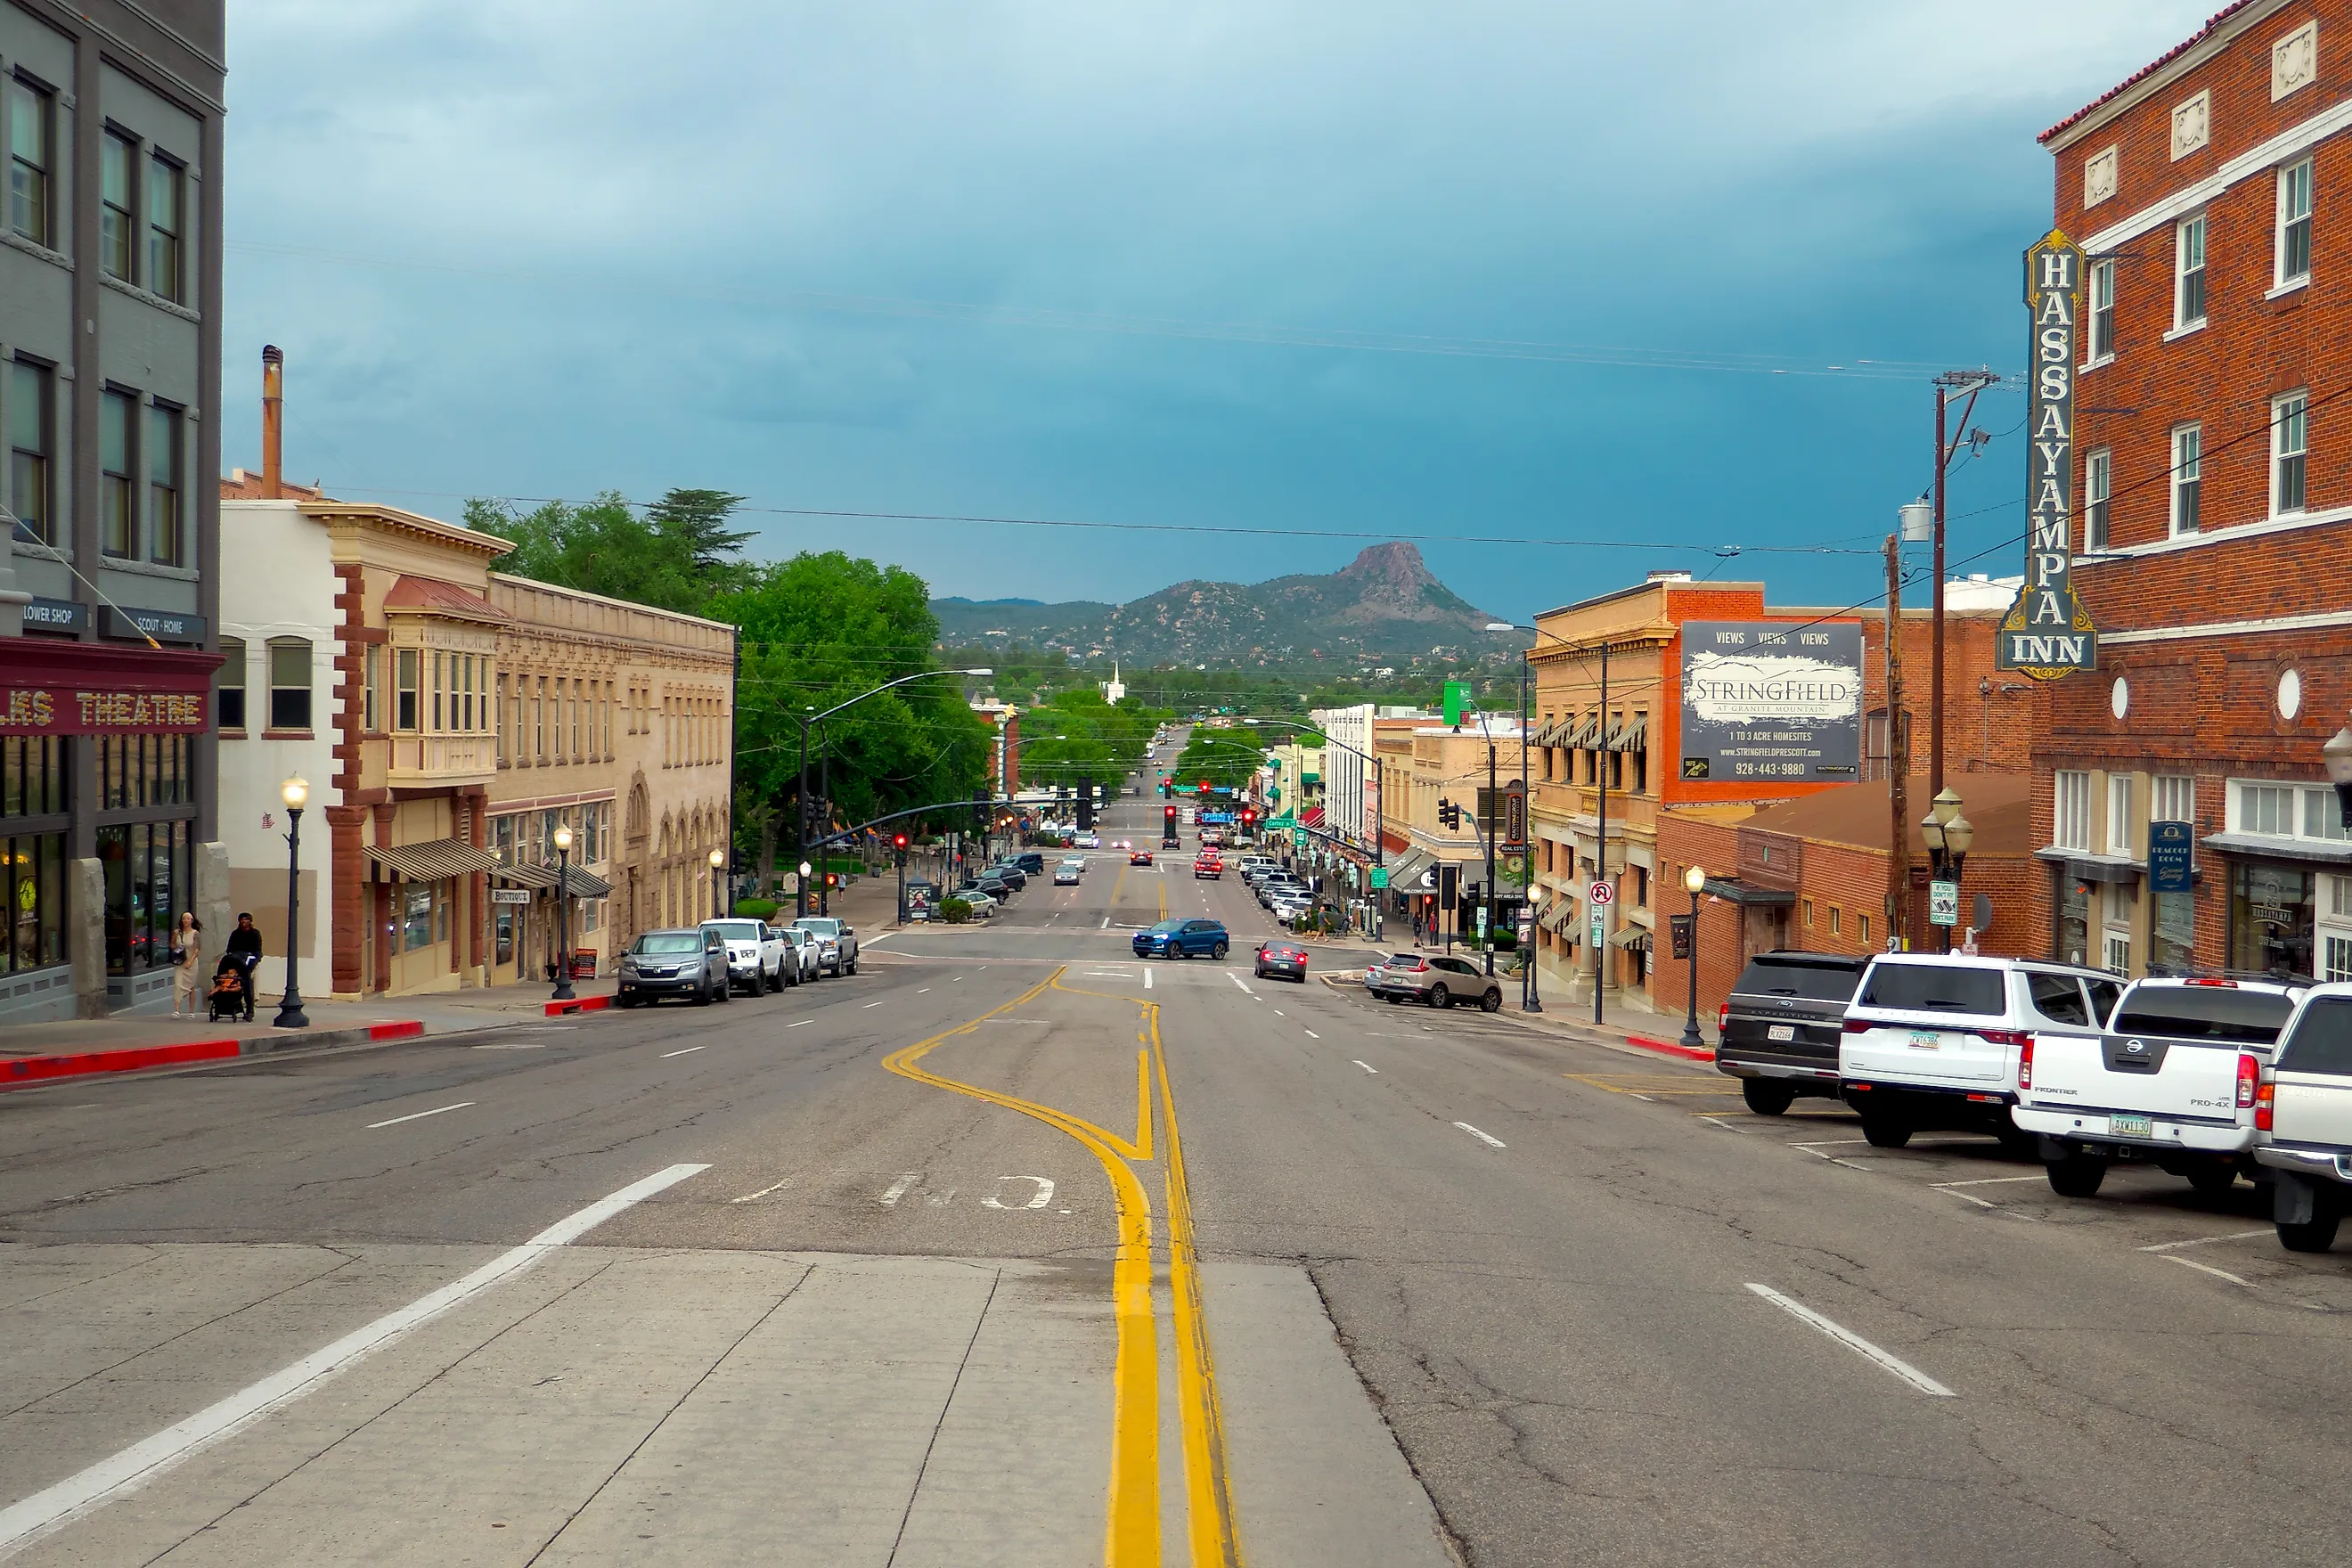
{"type": "Point", "coordinates": [273, 423]}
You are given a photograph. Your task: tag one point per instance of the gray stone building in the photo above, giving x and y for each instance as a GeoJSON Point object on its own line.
{"type": "Point", "coordinates": [109, 375]}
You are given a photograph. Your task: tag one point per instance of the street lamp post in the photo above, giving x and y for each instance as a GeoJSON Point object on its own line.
{"type": "Point", "coordinates": [295, 792]}
{"type": "Point", "coordinates": [1948, 836]}
{"type": "Point", "coordinates": [717, 883]}
{"type": "Point", "coordinates": [1696, 880]}
{"type": "Point", "coordinates": [564, 911]}
{"type": "Point", "coordinates": [799, 900]}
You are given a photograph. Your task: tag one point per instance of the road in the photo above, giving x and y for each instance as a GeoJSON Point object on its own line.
{"type": "Point", "coordinates": [858, 1274]}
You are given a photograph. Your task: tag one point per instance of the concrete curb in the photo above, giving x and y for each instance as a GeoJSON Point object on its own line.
{"type": "Point", "coordinates": [135, 1058]}
{"type": "Point", "coordinates": [1611, 1039]}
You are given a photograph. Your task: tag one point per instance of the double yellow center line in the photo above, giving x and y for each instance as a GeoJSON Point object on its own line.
{"type": "Point", "coordinates": [1131, 1531]}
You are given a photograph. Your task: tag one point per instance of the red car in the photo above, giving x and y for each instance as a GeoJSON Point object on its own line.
{"type": "Point", "coordinates": [1283, 959]}
{"type": "Point", "coordinates": [1209, 866]}
{"type": "Point", "coordinates": [1140, 857]}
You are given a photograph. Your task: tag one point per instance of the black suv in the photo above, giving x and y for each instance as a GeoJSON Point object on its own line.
{"type": "Point", "coordinates": [1779, 1030]}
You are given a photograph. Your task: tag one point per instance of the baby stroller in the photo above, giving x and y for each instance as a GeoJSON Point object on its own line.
{"type": "Point", "coordinates": [231, 994]}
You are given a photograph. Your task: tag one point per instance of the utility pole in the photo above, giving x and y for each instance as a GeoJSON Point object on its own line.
{"type": "Point", "coordinates": [1898, 756]}
{"type": "Point", "coordinates": [1948, 385]}
{"type": "Point", "coordinates": [1486, 724]}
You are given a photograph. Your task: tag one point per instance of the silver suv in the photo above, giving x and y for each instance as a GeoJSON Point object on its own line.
{"type": "Point", "coordinates": [2303, 1121]}
{"type": "Point", "coordinates": [836, 942]}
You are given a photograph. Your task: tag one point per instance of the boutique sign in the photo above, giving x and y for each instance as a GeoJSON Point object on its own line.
{"type": "Point", "coordinates": [2047, 634]}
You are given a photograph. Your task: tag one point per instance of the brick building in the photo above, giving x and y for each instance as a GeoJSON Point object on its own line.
{"type": "Point", "coordinates": [2214, 489]}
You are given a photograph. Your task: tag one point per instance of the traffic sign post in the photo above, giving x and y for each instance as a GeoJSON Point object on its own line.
{"type": "Point", "coordinates": [1601, 893]}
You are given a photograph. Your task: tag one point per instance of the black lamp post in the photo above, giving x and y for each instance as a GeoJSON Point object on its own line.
{"type": "Point", "coordinates": [1948, 836]}
{"type": "Point", "coordinates": [718, 884]}
{"type": "Point", "coordinates": [1696, 880]}
{"type": "Point", "coordinates": [295, 793]}
{"type": "Point", "coordinates": [564, 911]}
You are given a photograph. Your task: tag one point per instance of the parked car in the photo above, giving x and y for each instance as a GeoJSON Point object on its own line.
{"type": "Point", "coordinates": [1778, 1032]}
{"type": "Point", "coordinates": [836, 942]}
{"type": "Point", "coordinates": [1030, 861]}
{"type": "Point", "coordinates": [755, 954]}
{"type": "Point", "coordinates": [1183, 939]}
{"type": "Point", "coordinates": [1209, 866]}
{"type": "Point", "coordinates": [2303, 1121]}
{"type": "Point", "coordinates": [982, 906]}
{"type": "Point", "coordinates": [1434, 979]}
{"type": "Point", "coordinates": [1140, 857]}
{"type": "Point", "coordinates": [688, 963]}
{"type": "Point", "coordinates": [807, 953]}
{"type": "Point", "coordinates": [1936, 1040]}
{"type": "Point", "coordinates": [1011, 875]}
{"type": "Point", "coordinates": [2172, 1081]}
{"type": "Point", "coordinates": [1285, 958]}
{"type": "Point", "coordinates": [1268, 886]}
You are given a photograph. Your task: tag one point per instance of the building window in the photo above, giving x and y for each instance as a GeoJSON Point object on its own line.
{"type": "Point", "coordinates": [2119, 813]}
{"type": "Point", "coordinates": [2290, 439]}
{"type": "Point", "coordinates": [1809, 914]}
{"type": "Point", "coordinates": [2173, 798]}
{"type": "Point", "coordinates": [2295, 222]}
{"type": "Point", "coordinates": [2071, 810]}
{"type": "Point", "coordinates": [1837, 920]}
{"type": "Point", "coordinates": [440, 684]}
{"type": "Point", "coordinates": [538, 720]}
{"type": "Point", "coordinates": [404, 694]}
{"type": "Point", "coordinates": [148, 873]}
{"type": "Point", "coordinates": [166, 527]}
{"type": "Point", "coordinates": [372, 675]}
{"type": "Point", "coordinates": [115, 229]}
{"type": "Point", "coordinates": [289, 683]}
{"type": "Point", "coordinates": [416, 917]}
{"type": "Point", "coordinates": [2103, 311]}
{"type": "Point", "coordinates": [30, 429]}
{"type": "Point", "coordinates": [2265, 808]}
{"type": "Point", "coordinates": [2188, 274]}
{"type": "Point", "coordinates": [1865, 931]}
{"type": "Point", "coordinates": [505, 756]}
{"type": "Point", "coordinates": [164, 204]}
{"type": "Point", "coordinates": [2187, 478]}
{"type": "Point", "coordinates": [32, 120]}
{"type": "Point", "coordinates": [117, 518]}
{"type": "Point", "coordinates": [231, 707]}
{"type": "Point", "coordinates": [2098, 486]}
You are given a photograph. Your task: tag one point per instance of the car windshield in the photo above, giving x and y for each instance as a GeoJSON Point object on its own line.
{"type": "Point", "coordinates": [738, 931]}
{"type": "Point", "coordinates": [1935, 988]}
{"type": "Point", "coordinates": [2321, 1040]}
{"type": "Point", "coordinates": [819, 927]}
{"type": "Point", "coordinates": [1167, 928]}
{"type": "Point", "coordinates": [668, 941]}
{"type": "Point", "coordinates": [2205, 1013]}
{"type": "Point", "coordinates": [1773, 976]}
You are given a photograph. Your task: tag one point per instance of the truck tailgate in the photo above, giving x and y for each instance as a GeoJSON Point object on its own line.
{"type": "Point", "coordinates": [2152, 1074]}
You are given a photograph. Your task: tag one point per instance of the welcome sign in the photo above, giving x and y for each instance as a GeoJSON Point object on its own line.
{"type": "Point", "coordinates": [2047, 633]}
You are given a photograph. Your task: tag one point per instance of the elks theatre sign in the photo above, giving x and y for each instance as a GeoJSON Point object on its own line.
{"type": "Point", "coordinates": [2047, 634]}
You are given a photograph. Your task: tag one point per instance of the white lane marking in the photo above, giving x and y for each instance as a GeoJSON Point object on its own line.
{"type": "Point", "coordinates": [1365, 1065]}
{"type": "Point", "coordinates": [898, 1189]}
{"type": "Point", "coordinates": [1833, 1159]}
{"type": "Point", "coordinates": [873, 1005]}
{"type": "Point", "coordinates": [1483, 1137]}
{"type": "Point", "coordinates": [416, 1115]}
{"type": "Point", "coordinates": [1643, 1098]}
{"type": "Point", "coordinates": [2205, 1241]}
{"type": "Point", "coordinates": [1313, 1035]}
{"type": "Point", "coordinates": [1712, 1121]}
{"type": "Point", "coordinates": [1106, 925]}
{"type": "Point", "coordinates": [803, 1021]}
{"type": "Point", "coordinates": [1280, 1013]}
{"type": "Point", "coordinates": [1970, 1198]}
{"type": "Point", "coordinates": [2208, 1268]}
{"type": "Point", "coordinates": [1147, 973]}
{"type": "Point", "coordinates": [1237, 979]}
{"type": "Point", "coordinates": [1037, 1200]}
{"type": "Point", "coordinates": [1855, 1342]}
{"type": "Point", "coordinates": [1988, 1182]}
{"type": "Point", "coordinates": [877, 941]}
{"type": "Point", "coordinates": [924, 992]}
{"type": "Point", "coordinates": [763, 1193]}
{"type": "Point", "coordinates": [685, 1050]}
{"type": "Point", "coordinates": [84, 1493]}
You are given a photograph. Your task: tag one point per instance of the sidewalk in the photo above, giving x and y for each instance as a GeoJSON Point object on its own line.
{"type": "Point", "coordinates": [1621, 1026]}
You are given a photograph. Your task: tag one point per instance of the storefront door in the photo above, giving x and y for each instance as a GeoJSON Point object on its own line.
{"type": "Point", "coordinates": [2274, 920]}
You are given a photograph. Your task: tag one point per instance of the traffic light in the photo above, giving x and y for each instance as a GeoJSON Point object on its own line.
{"type": "Point", "coordinates": [1249, 815]}
{"type": "Point", "coordinates": [1449, 816]}
{"type": "Point", "coordinates": [1167, 787]}
{"type": "Point", "coordinates": [899, 842]}
{"type": "Point", "coordinates": [832, 879]}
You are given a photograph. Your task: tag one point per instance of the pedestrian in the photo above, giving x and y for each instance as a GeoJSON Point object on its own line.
{"type": "Point", "coordinates": [186, 943]}
{"type": "Point", "coordinates": [244, 946]}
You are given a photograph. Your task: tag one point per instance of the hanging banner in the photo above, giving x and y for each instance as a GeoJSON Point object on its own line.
{"type": "Point", "coordinates": [2048, 634]}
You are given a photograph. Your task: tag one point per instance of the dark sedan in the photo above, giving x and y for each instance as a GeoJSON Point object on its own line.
{"type": "Point", "coordinates": [1284, 960]}
{"type": "Point", "coordinates": [675, 963]}
{"type": "Point", "coordinates": [1434, 979]}
{"type": "Point", "coordinates": [1183, 939]}
{"type": "Point", "coordinates": [1140, 857]}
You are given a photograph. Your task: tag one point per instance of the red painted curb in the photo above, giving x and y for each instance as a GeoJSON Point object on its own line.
{"type": "Point", "coordinates": [1672, 1050]}
{"type": "Point", "coordinates": [32, 1069]}
{"type": "Point", "coordinates": [399, 1031]}
{"type": "Point", "coordinates": [578, 1005]}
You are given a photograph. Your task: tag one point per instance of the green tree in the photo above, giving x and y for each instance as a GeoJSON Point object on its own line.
{"type": "Point", "coordinates": [677, 556]}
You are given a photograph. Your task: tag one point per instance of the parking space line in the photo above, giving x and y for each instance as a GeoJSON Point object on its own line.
{"type": "Point", "coordinates": [763, 1193]}
{"type": "Point", "coordinates": [1989, 1181]}
{"type": "Point", "coordinates": [419, 1115]}
{"type": "Point", "coordinates": [2207, 1269]}
{"type": "Point", "coordinates": [1854, 1342]}
{"type": "Point", "coordinates": [685, 1051]}
{"type": "Point", "coordinates": [1483, 1137]}
{"type": "Point", "coordinates": [1368, 1068]}
{"type": "Point", "coordinates": [2204, 1240]}
{"type": "Point", "coordinates": [802, 1024]}
{"type": "Point", "coordinates": [870, 1005]}
{"type": "Point", "coordinates": [1313, 1035]}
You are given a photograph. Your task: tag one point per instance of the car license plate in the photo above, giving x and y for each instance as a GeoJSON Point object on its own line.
{"type": "Point", "coordinates": [2130, 1127]}
{"type": "Point", "coordinates": [1926, 1040]}
{"type": "Point", "coordinates": [1780, 1032]}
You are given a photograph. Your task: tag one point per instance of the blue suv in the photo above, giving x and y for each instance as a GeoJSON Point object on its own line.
{"type": "Point", "coordinates": [1182, 939]}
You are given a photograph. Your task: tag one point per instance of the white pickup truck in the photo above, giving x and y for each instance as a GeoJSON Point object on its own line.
{"type": "Point", "coordinates": [2172, 1081]}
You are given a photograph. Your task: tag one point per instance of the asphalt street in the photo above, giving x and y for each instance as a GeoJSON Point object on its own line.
{"type": "Point", "coordinates": [850, 1274]}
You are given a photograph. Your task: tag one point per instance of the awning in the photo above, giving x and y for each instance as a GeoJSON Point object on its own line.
{"type": "Point", "coordinates": [1559, 917]}
{"type": "Point", "coordinates": [433, 860]}
{"type": "Point", "coordinates": [2324, 853]}
{"type": "Point", "coordinates": [586, 884]}
{"type": "Point", "coordinates": [1556, 733]}
{"type": "Point", "coordinates": [1311, 817]}
{"type": "Point", "coordinates": [526, 876]}
{"type": "Point", "coordinates": [1732, 890]}
{"type": "Point", "coordinates": [1404, 874]}
{"type": "Point", "coordinates": [1632, 939]}
{"type": "Point", "coordinates": [1630, 735]}
{"type": "Point", "coordinates": [1588, 733]}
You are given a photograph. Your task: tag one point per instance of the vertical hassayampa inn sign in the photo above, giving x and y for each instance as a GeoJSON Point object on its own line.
{"type": "Point", "coordinates": [2047, 633]}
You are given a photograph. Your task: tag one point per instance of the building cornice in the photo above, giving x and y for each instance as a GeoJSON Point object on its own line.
{"type": "Point", "coordinates": [2250, 164]}
{"type": "Point", "coordinates": [2219, 34]}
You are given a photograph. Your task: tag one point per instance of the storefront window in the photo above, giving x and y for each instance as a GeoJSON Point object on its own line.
{"type": "Point", "coordinates": [416, 917]}
{"type": "Point", "coordinates": [2074, 920]}
{"type": "Point", "coordinates": [505, 925]}
{"type": "Point", "coordinates": [2173, 942]}
{"type": "Point", "coordinates": [147, 876]}
{"type": "Point", "coordinates": [32, 776]}
{"type": "Point", "coordinates": [33, 881]}
{"type": "Point", "coordinates": [2273, 919]}
{"type": "Point", "coordinates": [145, 769]}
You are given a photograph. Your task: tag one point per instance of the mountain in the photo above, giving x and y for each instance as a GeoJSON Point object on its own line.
{"type": "Point", "coordinates": [1385, 604]}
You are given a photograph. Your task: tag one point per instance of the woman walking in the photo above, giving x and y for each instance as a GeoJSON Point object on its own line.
{"type": "Point", "coordinates": [186, 955]}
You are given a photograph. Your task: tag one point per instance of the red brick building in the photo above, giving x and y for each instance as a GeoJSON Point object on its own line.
{"type": "Point", "coordinates": [2214, 495]}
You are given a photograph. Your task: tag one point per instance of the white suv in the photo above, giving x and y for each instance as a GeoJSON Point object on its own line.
{"type": "Point", "coordinates": [755, 954]}
{"type": "Point", "coordinates": [1934, 1041]}
{"type": "Point", "coordinates": [2303, 1121]}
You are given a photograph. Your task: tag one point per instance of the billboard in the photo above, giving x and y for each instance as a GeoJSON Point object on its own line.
{"type": "Point", "coordinates": [1771, 703]}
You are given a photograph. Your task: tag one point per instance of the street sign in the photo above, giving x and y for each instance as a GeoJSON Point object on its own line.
{"type": "Point", "coordinates": [1482, 922]}
{"type": "Point", "coordinates": [1943, 903]}
{"type": "Point", "coordinates": [509, 895]}
{"type": "Point", "coordinates": [1298, 838]}
{"type": "Point", "coordinates": [1679, 927]}
{"type": "Point", "coordinates": [1600, 925]}
{"type": "Point", "coordinates": [1380, 877]}
{"type": "Point", "coordinates": [2168, 857]}
{"type": "Point", "coordinates": [1601, 893]}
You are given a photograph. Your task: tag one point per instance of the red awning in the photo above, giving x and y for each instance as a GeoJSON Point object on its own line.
{"type": "Point", "coordinates": [1311, 817]}
{"type": "Point", "coordinates": [51, 686]}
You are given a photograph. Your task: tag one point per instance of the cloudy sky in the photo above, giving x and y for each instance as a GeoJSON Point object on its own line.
{"type": "Point", "coordinates": [1539, 270]}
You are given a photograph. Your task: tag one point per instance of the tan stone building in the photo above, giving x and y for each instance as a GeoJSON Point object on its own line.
{"type": "Point", "coordinates": [618, 720]}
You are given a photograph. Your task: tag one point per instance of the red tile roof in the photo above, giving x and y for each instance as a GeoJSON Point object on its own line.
{"type": "Point", "coordinates": [434, 596]}
{"type": "Point", "coordinates": [2146, 71]}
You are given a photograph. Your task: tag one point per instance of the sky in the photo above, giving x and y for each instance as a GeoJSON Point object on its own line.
{"type": "Point", "coordinates": [1552, 288]}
